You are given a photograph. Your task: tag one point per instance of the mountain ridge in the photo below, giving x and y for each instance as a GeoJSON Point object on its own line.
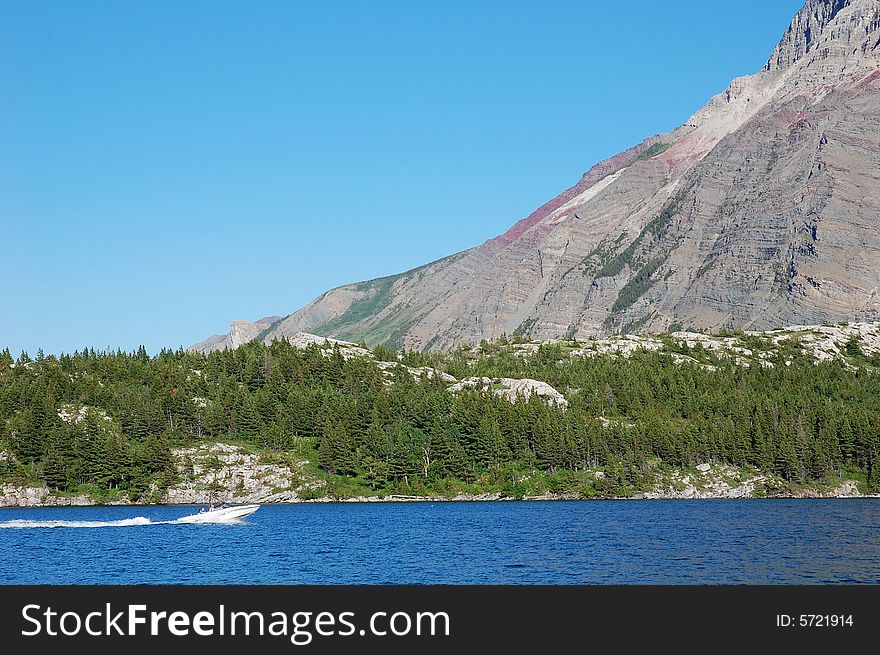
{"type": "Point", "coordinates": [759, 211]}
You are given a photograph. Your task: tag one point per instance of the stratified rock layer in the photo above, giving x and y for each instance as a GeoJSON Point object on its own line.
{"type": "Point", "coordinates": [762, 210]}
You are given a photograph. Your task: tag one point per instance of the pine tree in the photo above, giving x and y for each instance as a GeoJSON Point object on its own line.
{"type": "Point", "coordinates": [404, 458]}
{"type": "Point", "coordinates": [439, 452]}
{"type": "Point", "coordinates": [336, 452]}
{"type": "Point", "coordinates": [157, 454]}
{"type": "Point", "coordinates": [490, 444]}
{"type": "Point", "coordinates": [376, 472]}
{"type": "Point", "coordinates": [250, 423]}
{"type": "Point", "coordinates": [787, 464]}
{"type": "Point", "coordinates": [117, 460]}
{"type": "Point", "coordinates": [55, 472]}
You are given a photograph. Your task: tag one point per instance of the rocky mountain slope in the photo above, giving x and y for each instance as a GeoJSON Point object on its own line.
{"type": "Point", "coordinates": [762, 210]}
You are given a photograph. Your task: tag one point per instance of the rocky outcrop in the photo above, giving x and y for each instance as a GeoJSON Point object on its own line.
{"type": "Point", "coordinates": [303, 340]}
{"type": "Point", "coordinates": [76, 414]}
{"type": "Point", "coordinates": [827, 30]}
{"type": "Point", "coordinates": [225, 473]}
{"type": "Point", "coordinates": [724, 481]}
{"type": "Point", "coordinates": [846, 342]}
{"type": "Point", "coordinates": [513, 389]}
{"type": "Point", "coordinates": [416, 372]}
{"type": "Point", "coordinates": [29, 496]}
{"type": "Point", "coordinates": [708, 481]}
{"type": "Point", "coordinates": [240, 332]}
{"type": "Point", "coordinates": [762, 210]}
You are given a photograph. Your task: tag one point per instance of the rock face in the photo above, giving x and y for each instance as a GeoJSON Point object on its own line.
{"type": "Point", "coordinates": [239, 332]}
{"type": "Point", "coordinates": [513, 389]}
{"type": "Point", "coordinates": [303, 340]}
{"type": "Point", "coordinates": [762, 210]}
{"type": "Point", "coordinates": [225, 473]}
{"type": "Point", "coordinates": [718, 481]}
{"type": "Point", "coordinates": [21, 496]}
{"type": "Point", "coordinates": [821, 343]}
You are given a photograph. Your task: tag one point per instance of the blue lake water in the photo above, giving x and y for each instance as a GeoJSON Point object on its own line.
{"type": "Point", "coordinates": [589, 542]}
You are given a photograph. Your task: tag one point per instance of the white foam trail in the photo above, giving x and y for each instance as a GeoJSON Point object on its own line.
{"type": "Point", "coordinates": [200, 519]}
{"type": "Point", "coordinates": [21, 523]}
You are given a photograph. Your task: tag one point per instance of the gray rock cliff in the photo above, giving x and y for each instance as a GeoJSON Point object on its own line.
{"type": "Point", "coordinates": [762, 210]}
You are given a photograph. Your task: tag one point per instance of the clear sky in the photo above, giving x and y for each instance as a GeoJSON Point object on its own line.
{"type": "Point", "coordinates": [166, 167]}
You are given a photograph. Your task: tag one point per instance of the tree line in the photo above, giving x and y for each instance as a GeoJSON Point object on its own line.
{"type": "Point", "coordinates": [109, 420]}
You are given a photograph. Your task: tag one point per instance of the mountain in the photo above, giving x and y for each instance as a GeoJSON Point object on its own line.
{"type": "Point", "coordinates": [762, 210]}
{"type": "Point", "coordinates": [239, 332]}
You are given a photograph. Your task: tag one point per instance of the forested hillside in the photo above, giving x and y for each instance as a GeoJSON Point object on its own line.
{"type": "Point", "coordinates": [108, 421]}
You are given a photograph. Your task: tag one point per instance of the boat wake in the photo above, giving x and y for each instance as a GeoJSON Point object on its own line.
{"type": "Point", "coordinates": [24, 524]}
{"type": "Point", "coordinates": [226, 515]}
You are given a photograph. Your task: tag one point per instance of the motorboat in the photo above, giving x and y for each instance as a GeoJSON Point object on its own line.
{"type": "Point", "coordinates": [221, 514]}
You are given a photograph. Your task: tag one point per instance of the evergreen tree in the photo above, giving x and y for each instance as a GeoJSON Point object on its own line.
{"type": "Point", "coordinates": [55, 472]}
{"type": "Point", "coordinates": [337, 449]}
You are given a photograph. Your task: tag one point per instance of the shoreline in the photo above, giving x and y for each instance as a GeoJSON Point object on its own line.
{"type": "Point", "coordinates": [81, 502]}
{"type": "Point", "coordinates": [241, 477]}
{"type": "Point", "coordinates": [220, 472]}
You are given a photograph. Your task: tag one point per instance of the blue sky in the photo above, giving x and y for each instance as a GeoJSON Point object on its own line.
{"type": "Point", "coordinates": [167, 167]}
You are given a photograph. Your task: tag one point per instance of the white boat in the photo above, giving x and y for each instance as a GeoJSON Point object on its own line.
{"type": "Point", "coordinates": [220, 514]}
